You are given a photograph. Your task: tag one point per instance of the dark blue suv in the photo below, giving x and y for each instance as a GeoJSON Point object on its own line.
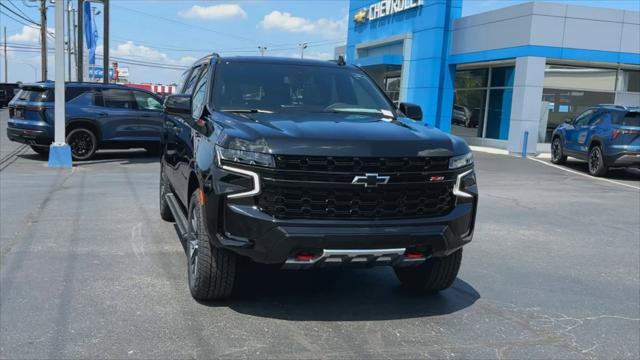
{"type": "Point", "coordinates": [605, 136]}
{"type": "Point", "coordinates": [99, 116]}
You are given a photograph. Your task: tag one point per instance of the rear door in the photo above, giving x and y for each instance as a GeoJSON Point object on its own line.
{"type": "Point", "coordinates": [576, 133]}
{"type": "Point", "coordinates": [149, 115]}
{"type": "Point", "coordinates": [118, 121]}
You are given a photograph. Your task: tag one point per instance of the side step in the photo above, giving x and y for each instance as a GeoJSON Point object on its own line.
{"type": "Point", "coordinates": [181, 220]}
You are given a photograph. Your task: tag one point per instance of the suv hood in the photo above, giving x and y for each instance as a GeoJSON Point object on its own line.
{"type": "Point", "coordinates": [334, 134]}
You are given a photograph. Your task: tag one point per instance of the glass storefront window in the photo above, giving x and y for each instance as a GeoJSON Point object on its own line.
{"type": "Point", "coordinates": [471, 117]}
{"type": "Point", "coordinates": [499, 114]}
{"type": "Point", "coordinates": [468, 112]}
{"type": "Point", "coordinates": [563, 104]}
{"type": "Point", "coordinates": [471, 79]}
{"type": "Point", "coordinates": [583, 78]}
{"type": "Point", "coordinates": [502, 76]}
{"type": "Point", "coordinates": [629, 81]}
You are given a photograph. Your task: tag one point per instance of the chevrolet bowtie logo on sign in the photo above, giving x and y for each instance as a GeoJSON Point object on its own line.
{"type": "Point", "coordinates": [384, 8]}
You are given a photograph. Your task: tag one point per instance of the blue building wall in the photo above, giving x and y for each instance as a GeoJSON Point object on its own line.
{"type": "Point", "coordinates": [431, 80]}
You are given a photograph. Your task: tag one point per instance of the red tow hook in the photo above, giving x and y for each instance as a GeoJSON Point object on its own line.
{"type": "Point", "coordinates": [412, 254]}
{"type": "Point", "coordinates": [304, 256]}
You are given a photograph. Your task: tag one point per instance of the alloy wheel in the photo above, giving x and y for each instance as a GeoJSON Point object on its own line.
{"type": "Point", "coordinates": [595, 157]}
{"type": "Point", "coordinates": [193, 244]}
{"type": "Point", "coordinates": [81, 143]}
{"type": "Point", "coordinates": [555, 150]}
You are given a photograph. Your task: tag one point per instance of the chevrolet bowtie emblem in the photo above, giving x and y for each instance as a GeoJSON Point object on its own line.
{"type": "Point", "coordinates": [370, 180]}
{"type": "Point", "coordinates": [361, 16]}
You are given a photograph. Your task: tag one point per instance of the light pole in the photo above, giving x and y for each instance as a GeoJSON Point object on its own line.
{"type": "Point", "coordinates": [302, 47]}
{"type": "Point", "coordinates": [59, 151]}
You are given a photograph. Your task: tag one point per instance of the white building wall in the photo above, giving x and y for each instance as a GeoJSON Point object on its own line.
{"type": "Point", "coordinates": [549, 24]}
{"type": "Point", "coordinates": [525, 104]}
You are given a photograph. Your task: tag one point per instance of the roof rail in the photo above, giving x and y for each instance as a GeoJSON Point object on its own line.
{"type": "Point", "coordinates": [621, 107]}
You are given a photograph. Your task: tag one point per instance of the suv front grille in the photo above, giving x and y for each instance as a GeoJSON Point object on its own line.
{"type": "Point", "coordinates": [297, 200]}
{"type": "Point", "coordinates": [316, 187]}
{"type": "Point", "coordinates": [361, 164]}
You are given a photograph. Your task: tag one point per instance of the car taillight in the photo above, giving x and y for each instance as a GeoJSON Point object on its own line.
{"type": "Point", "coordinates": [615, 133]}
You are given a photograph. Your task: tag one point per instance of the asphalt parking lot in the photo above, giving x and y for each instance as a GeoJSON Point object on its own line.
{"type": "Point", "coordinates": [89, 270]}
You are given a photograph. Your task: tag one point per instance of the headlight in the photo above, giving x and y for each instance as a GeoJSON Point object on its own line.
{"type": "Point", "coordinates": [245, 157]}
{"type": "Point", "coordinates": [457, 162]}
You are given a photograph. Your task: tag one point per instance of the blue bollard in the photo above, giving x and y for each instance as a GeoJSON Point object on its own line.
{"type": "Point", "coordinates": [524, 144]}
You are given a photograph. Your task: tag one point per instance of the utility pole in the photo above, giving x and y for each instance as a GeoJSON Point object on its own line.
{"type": "Point", "coordinates": [6, 59]}
{"type": "Point", "coordinates": [43, 38]}
{"type": "Point", "coordinates": [69, 38]}
{"type": "Point", "coordinates": [302, 47]}
{"type": "Point", "coordinates": [262, 50]}
{"type": "Point", "coordinates": [80, 43]}
{"type": "Point", "coordinates": [105, 57]}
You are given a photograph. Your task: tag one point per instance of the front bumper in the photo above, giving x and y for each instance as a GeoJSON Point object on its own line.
{"type": "Point", "coordinates": [243, 228]}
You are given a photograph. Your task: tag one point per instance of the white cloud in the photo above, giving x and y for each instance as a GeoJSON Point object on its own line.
{"type": "Point", "coordinates": [214, 12]}
{"type": "Point", "coordinates": [140, 52]}
{"type": "Point", "coordinates": [284, 21]}
{"type": "Point", "coordinates": [29, 34]}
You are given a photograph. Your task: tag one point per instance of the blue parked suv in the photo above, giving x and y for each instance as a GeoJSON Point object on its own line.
{"type": "Point", "coordinates": [605, 136]}
{"type": "Point", "coordinates": [99, 116]}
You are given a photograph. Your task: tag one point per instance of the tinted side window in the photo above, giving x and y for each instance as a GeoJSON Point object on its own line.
{"type": "Point", "coordinates": [198, 102]}
{"type": "Point", "coordinates": [584, 118]}
{"type": "Point", "coordinates": [146, 101]}
{"type": "Point", "coordinates": [118, 99]}
{"type": "Point", "coordinates": [73, 92]}
{"type": "Point", "coordinates": [628, 119]}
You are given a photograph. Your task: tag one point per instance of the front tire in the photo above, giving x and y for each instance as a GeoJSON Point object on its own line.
{"type": "Point", "coordinates": [557, 152]}
{"type": "Point", "coordinates": [597, 167]}
{"type": "Point", "coordinates": [212, 271]}
{"type": "Point", "coordinates": [83, 143]}
{"type": "Point", "coordinates": [165, 189]}
{"type": "Point", "coordinates": [434, 275]}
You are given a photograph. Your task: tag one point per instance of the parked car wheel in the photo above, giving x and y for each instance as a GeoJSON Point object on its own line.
{"type": "Point", "coordinates": [40, 150]}
{"type": "Point", "coordinates": [557, 153]}
{"type": "Point", "coordinates": [83, 143]}
{"type": "Point", "coordinates": [597, 167]}
{"type": "Point", "coordinates": [434, 275]}
{"type": "Point", "coordinates": [165, 189]}
{"type": "Point", "coordinates": [212, 271]}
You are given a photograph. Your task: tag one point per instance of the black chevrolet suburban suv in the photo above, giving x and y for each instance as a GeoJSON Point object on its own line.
{"type": "Point", "coordinates": [308, 164]}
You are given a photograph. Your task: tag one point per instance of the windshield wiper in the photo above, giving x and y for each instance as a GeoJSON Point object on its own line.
{"type": "Point", "coordinates": [248, 111]}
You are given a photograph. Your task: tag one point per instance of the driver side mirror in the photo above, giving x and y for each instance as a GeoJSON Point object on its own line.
{"type": "Point", "coordinates": [179, 105]}
{"type": "Point", "coordinates": [412, 111]}
{"type": "Point", "coordinates": [568, 120]}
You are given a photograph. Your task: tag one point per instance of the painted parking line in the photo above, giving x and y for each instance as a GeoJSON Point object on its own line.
{"type": "Point", "coordinates": [583, 174]}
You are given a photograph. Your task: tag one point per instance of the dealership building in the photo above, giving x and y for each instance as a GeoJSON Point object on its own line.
{"type": "Point", "coordinates": [496, 76]}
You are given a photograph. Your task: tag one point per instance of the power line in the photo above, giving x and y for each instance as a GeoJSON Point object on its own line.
{"type": "Point", "coordinates": [20, 10]}
{"type": "Point", "coordinates": [18, 15]}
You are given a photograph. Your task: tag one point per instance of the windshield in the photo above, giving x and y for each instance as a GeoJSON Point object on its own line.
{"type": "Point", "coordinates": [282, 87]}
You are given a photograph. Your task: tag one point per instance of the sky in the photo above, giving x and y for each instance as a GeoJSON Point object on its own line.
{"type": "Point", "coordinates": [169, 35]}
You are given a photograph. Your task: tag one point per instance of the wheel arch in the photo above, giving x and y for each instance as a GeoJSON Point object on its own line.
{"type": "Point", "coordinates": [84, 123]}
{"type": "Point", "coordinates": [595, 142]}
